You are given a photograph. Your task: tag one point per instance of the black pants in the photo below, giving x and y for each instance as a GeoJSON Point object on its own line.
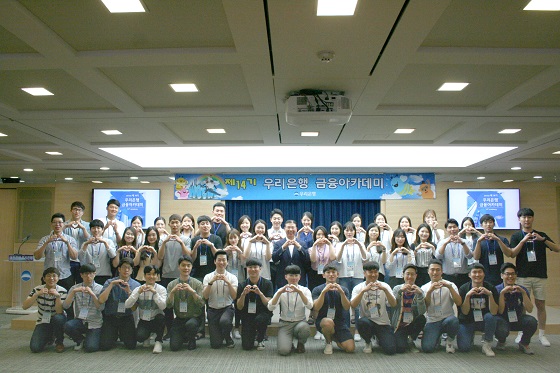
{"type": "Point", "coordinates": [183, 330]}
{"type": "Point", "coordinates": [412, 330]}
{"type": "Point", "coordinates": [253, 327]}
{"type": "Point", "coordinates": [115, 327]}
{"type": "Point", "coordinates": [145, 328]}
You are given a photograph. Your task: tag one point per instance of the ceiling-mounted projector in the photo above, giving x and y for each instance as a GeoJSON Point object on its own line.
{"type": "Point", "coordinates": [310, 106]}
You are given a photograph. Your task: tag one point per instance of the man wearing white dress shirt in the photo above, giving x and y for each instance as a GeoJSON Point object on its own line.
{"type": "Point", "coordinates": [293, 300]}
{"type": "Point", "coordinates": [113, 228]}
{"type": "Point", "coordinates": [372, 297]}
{"type": "Point", "coordinates": [220, 289]}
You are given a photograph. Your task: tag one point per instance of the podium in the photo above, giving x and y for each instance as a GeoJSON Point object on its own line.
{"type": "Point", "coordinates": [23, 281]}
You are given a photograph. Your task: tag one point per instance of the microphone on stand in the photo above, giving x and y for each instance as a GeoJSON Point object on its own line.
{"type": "Point", "coordinates": [23, 241]}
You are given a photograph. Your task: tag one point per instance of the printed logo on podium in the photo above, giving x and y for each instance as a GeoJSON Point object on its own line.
{"type": "Point", "coordinates": [26, 275]}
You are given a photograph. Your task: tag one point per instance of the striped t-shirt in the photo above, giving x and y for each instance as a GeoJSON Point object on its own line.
{"type": "Point", "coordinates": [45, 303]}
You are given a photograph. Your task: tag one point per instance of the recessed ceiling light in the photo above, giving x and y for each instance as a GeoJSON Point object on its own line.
{"type": "Point", "coordinates": [215, 130]}
{"type": "Point", "coordinates": [405, 130]}
{"type": "Point", "coordinates": [14, 177]}
{"type": "Point", "coordinates": [516, 168]}
{"type": "Point", "coordinates": [104, 168]}
{"type": "Point", "coordinates": [124, 6]}
{"type": "Point", "coordinates": [548, 5]}
{"type": "Point", "coordinates": [309, 133]}
{"type": "Point", "coordinates": [184, 87]}
{"type": "Point", "coordinates": [508, 181]}
{"type": "Point", "coordinates": [336, 7]}
{"type": "Point", "coordinates": [53, 153]}
{"type": "Point", "coordinates": [68, 178]}
{"type": "Point", "coordinates": [305, 156]}
{"type": "Point", "coordinates": [537, 177]}
{"type": "Point", "coordinates": [38, 91]}
{"type": "Point", "coordinates": [28, 169]}
{"type": "Point", "coordinates": [558, 152]}
{"type": "Point", "coordinates": [457, 181]}
{"type": "Point", "coordinates": [112, 132]}
{"type": "Point", "coordinates": [481, 178]}
{"type": "Point", "coordinates": [3, 134]}
{"type": "Point", "coordinates": [172, 178]}
{"type": "Point", "coordinates": [453, 87]}
{"type": "Point", "coordinates": [509, 131]}
{"type": "Point", "coordinates": [97, 182]}
{"type": "Point", "coordinates": [134, 178]}
{"type": "Point", "coordinates": [22, 181]}
{"type": "Point", "coordinates": [144, 182]}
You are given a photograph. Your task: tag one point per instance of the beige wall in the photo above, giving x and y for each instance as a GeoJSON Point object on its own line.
{"type": "Point", "coordinates": [543, 198]}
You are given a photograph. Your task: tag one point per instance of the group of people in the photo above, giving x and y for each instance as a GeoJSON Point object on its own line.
{"type": "Point", "coordinates": [392, 285]}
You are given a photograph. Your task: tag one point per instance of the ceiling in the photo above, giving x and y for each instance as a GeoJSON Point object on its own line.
{"type": "Point", "coordinates": [111, 71]}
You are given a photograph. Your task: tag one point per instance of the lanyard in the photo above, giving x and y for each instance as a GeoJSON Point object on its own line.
{"type": "Point", "coordinates": [434, 298]}
{"type": "Point", "coordinates": [453, 246]}
{"type": "Point", "coordinates": [491, 250]}
{"type": "Point", "coordinates": [323, 256]}
{"type": "Point", "coordinates": [295, 302]}
{"type": "Point", "coordinates": [98, 250]}
{"type": "Point", "coordinates": [348, 254]}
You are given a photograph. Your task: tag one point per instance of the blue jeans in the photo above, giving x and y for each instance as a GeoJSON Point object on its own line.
{"type": "Point", "coordinates": [44, 332]}
{"type": "Point", "coordinates": [349, 283]}
{"type": "Point", "coordinates": [433, 330]}
{"type": "Point", "coordinates": [384, 334]}
{"type": "Point", "coordinates": [526, 323]}
{"type": "Point", "coordinates": [492, 324]}
{"type": "Point", "coordinates": [76, 328]}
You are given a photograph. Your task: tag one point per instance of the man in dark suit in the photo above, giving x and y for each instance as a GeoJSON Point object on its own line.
{"type": "Point", "coordinates": [289, 251]}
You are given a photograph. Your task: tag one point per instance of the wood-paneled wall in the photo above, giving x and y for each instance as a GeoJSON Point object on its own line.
{"type": "Point", "coordinates": [543, 198]}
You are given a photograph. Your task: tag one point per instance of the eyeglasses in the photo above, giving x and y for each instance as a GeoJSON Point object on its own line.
{"type": "Point", "coordinates": [509, 274]}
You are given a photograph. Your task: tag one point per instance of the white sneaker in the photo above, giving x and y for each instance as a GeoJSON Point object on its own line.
{"type": "Point", "coordinates": [157, 348]}
{"type": "Point", "coordinates": [317, 336]}
{"type": "Point", "coordinates": [357, 338]}
{"type": "Point", "coordinates": [518, 338]}
{"type": "Point", "coordinates": [487, 349]}
{"type": "Point", "coordinates": [260, 346]}
{"type": "Point", "coordinates": [78, 346]}
{"type": "Point", "coordinates": [367, 349]}
{"type": "Point", "coordinates": [322, 337]}
{"type": "Point", "coordinates": [146, 343]}
{"type": "Point", "coordinates": [374, 342]}
{"type": "Point", "coordinates": [328, 349]}
{"type": "Point", "coordinates": [544, 341]}
{"type": "Point", "coordinates": [236, 334]}
{"type": "Point", "coordinates": [449, 348]}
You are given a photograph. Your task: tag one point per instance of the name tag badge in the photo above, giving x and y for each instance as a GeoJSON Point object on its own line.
{"type": "Point", "coordinates": [531, 256]}
{"type": "Point", "coordinates": [456, 262]}
{"type": "Point", "coordinates": [407, 317]}
{"type": "Point", "coordinates": [492, 259]}
{"type": "Point", "coordinates": [331, 312]}
{"type": "Point", "coordinates": [399, 272]}
{"type": "Point", "coordinates": [470, 261]}
{"type": "Point", "coordinates": [290, 314]}
{"type": "Point", "coordinates": [221, 301]}
{"type": "Point", "coordinates": [438, 311]}
{"type": "Point", "coordinates": [203, 260]}
{"type": "Point", "coordinates": [96, 261]}
{"type": "Point", "coordinates": [46, 318]}
{"type": "Point", "coordinates": [183, 306]}
{"type": "Point", "coordinates": [145, 315]}
{"type": "Point", "coordinates": [478, 315]}
{"type": "Point", "coordinates": [252, 307]}
{"type": "Point", "coordinates": [320, 268]}
{"type": "Point", "coordinates": [58, 255]}
{"type": "Point", "coordinates": [83, 313]}
{"type": "Point", "coordinates": [350, 269]}
{"type": "Point", "coordinates": [121, 308]}
{"type": "Point", "coordinates": [512, 316]}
